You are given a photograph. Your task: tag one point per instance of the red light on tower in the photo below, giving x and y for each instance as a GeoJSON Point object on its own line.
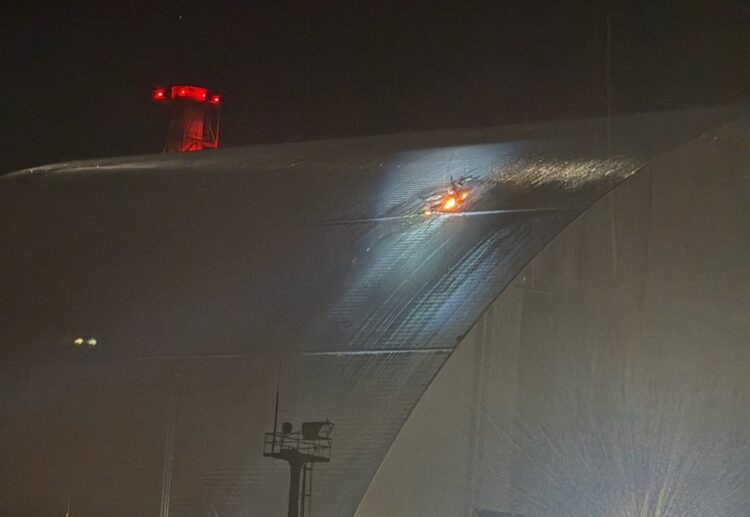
{"type": "Point", "coordinates": [193, 117]}
{"type": "Point", "coordinates": [193, 93]}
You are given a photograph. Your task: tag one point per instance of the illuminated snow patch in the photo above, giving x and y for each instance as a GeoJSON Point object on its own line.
{"type": "Point", "coordinates": [566, 173]}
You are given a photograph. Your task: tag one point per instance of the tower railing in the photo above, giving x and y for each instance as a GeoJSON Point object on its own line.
{"type": "Point", "coordinates": [279, 444]}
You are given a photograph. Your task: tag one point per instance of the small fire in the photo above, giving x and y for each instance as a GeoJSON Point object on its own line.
{"type": "Point", "coordinates": [450, 203]}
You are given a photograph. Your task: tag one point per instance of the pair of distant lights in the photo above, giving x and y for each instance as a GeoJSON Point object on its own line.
{"type": "Point", "coordinates": [79, 341]}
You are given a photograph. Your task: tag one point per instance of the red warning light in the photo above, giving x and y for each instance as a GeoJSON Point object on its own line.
{"type": "Point", "coordinates": [193, 93]}
{"type": "Point", "coordinates": [159, 94]}
{"type": "Point", "coordinates": [215, 99]}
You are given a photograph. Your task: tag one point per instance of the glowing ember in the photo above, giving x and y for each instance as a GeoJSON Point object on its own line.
{"type": "Point", "coordinates": [450, 203]}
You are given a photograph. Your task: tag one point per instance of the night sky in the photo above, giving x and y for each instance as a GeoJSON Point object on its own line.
{"type": "Point", "coordinates": [78, 76]}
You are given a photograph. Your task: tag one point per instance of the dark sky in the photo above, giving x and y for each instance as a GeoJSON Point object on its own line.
{"type": "Point", "coordinates": [77, 76]}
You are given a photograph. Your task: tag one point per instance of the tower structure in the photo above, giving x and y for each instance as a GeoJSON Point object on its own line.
{"type": "Point", "coordinates": [194, 117]}
{"type": "Point", "coordinates": [302, 450]}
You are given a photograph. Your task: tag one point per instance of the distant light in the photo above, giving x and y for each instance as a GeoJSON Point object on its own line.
{"type": "Point", "coordinates": [182, 92]}
{"type": "Point", "coordinates": [215, 99]}
{"type": "Point", "coordinates": [159, 94]}
{"type": "Point", "coordinates": [449, 203]}
{"type": "Point", "coordinates": [79, 341]}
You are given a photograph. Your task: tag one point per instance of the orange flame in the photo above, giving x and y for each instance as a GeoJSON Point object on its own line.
{"type": "Point", "coordinates": [450, 203]}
